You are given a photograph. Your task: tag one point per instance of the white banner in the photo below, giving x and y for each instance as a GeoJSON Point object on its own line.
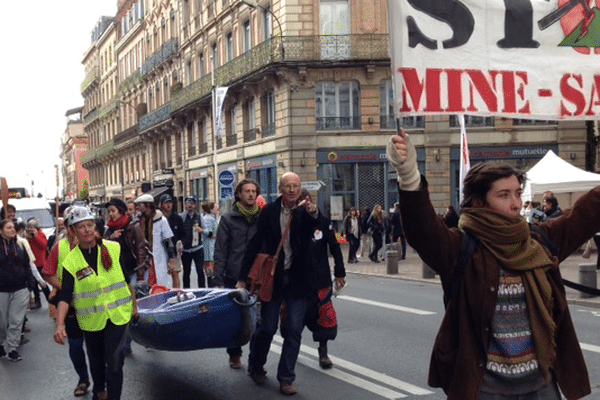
{"type": "Point", "coordinates": [514, 58]}
{"type": "Point", "coordinates": [220, 92]}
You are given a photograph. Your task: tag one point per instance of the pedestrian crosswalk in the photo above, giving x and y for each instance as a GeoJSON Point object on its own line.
{"type": "Point", "coordinates": [364, 378]}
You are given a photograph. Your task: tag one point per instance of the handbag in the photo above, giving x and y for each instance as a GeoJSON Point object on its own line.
{"type": "Point", "coordinates": [262, 273]}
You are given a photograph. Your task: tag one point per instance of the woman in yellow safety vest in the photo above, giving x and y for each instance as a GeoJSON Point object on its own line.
{"type": "Point", "coordinates": [104, 303]}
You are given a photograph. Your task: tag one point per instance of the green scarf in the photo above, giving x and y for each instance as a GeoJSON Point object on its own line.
{"type": "Point", "coordinates": [248, 213]}
{"type": "Point", "coordinates": [510, 242]}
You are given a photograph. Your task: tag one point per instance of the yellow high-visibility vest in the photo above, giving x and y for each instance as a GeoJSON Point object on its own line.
{"type": "Point", "coordinates": [99, 296]}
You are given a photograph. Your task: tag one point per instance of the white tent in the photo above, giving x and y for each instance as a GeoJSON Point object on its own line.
{"type": "Point", "coordinates": [555, 174]}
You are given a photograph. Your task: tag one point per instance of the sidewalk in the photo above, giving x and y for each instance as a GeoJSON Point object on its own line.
{"type": "Point", "coordinates": [412, 269]}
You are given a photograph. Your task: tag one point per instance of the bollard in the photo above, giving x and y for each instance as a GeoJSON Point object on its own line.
{"type": "Point", "coordinates": [391, 258]}
{"type": "Point", "coordinates": [428, 273]}
{"type": "Point", "coordinates": [587, 277]}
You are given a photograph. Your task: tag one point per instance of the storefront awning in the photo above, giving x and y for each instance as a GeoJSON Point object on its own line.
{"type": "Point", "coordinates": [157, 192]}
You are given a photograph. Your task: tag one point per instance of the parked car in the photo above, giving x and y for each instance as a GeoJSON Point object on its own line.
{"type": "Point", "coordinates": [38, 208]}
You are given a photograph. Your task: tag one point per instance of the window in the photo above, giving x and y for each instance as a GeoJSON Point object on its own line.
{"type": "Point", "coordinates": [268, 128]}
{"type": "Point", "coordinates": [337, 105]}
{"type": "Point", "coordinates": [267, 23]}
{"type": "Point", "coordinates": [387, 119]}
{"type": "Point", "coordinates": [229, 47]}
{"type": "Point", "coordinates": [247, 36]}
{"type": "Point", "coordinates": [200, 65]}
{"type": "Point", "coordinates": [231, 125]}
{"type": "Point", "coordinates": [178, 156]}
{"type": "Point", "coordinates": [250, 121]}
{"type": "Point", "coordinates": [204, 133]}
{"type": "Point", "coordinates": [188, 72]}
{"type": "Point", "coordinates": [214, 55]}
{"type": "Point", "coordinates": [191, 138]}
{"type": "Point", "coordinates": [533, 122]}
{"type": "Point", "coordinates": [334, 16]}
{"type": "Point", "coordinates": [166, 89]}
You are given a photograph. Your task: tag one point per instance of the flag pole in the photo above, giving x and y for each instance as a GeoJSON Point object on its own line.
{"type": "Point", "coordinates": [214, 124]}
{"type": "Point", "coordinates": [465, 161]}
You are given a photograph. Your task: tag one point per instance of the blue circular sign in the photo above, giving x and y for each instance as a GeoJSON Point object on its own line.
{"type": "Point", "coordinates": [226, 178]}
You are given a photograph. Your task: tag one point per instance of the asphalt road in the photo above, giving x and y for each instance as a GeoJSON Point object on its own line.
{"type": "Point", "coordinates": [386, 330]}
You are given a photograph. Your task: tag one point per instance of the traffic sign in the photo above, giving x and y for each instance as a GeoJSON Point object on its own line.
{"type": "Point", "coordinates": [226, 178]}
{"type": "Point", "coordinates": [313, 186]}
{"type": "Point", "coordinates": [226, 192]}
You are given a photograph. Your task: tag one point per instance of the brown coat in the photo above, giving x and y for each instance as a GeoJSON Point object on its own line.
{"type": "Point", "coordinates": [459, 355]}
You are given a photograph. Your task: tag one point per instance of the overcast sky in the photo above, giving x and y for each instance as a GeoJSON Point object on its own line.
{"type": "Point", "coordinates": [44, 42]}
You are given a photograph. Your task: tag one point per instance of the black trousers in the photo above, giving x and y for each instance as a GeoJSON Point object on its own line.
{"type": "Point", "coordinates": [106, 358]}
{"type": "Point", "coordinates": [186, 263]}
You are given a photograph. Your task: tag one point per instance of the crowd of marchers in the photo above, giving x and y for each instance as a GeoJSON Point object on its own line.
{"type": "Point", "coordinates": [506, 333]}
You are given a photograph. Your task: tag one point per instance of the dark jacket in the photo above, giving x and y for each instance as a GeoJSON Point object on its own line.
{"type": "Point", "coordinates": [176, 224]}
{"type": "Point", "coordinates": [132, 241]}
{"type": "Point", "coordinates": [234, 234]}
{"type": "Point", "coordinates": [188, 225]}
{"type": "Point", "coordinates": [348, 225]}
{"type": "Point", "coordinates": [267, 238]}
{"type": "Point", "coordinates": [459, 355]}
{"type": "Point", "coordinates": [15, 272]}
{"type": "Point", "coordinates": [323, 239]}
{"type": "Point", "coordinates": [396, 224]}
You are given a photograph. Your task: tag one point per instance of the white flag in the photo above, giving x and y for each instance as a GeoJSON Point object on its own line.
{"type": "Point", "coordinates": [220, 93]}
{"type": "Point", "coordinates": [465, 162]}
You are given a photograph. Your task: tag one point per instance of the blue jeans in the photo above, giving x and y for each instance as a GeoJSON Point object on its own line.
{"type": "Point", "coordinates": [291, 332]}
{"type": "Point", "coordinates": [76, 352]}
{"type": "Point", "coordinates": [548, 392]}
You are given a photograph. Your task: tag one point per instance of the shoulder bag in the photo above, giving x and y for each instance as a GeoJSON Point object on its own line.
{"type": "Point", "coordinates": [262, 273]}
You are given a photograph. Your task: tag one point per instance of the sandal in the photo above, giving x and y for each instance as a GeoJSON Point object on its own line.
{"type": "Point", "coordinates": [81, 389]}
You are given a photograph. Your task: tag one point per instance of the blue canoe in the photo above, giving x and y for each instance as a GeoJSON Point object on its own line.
{"type": "Point", "coordinates": [193, 319]}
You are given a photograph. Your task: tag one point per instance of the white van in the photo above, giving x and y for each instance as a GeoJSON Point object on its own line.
{"type": "Point", "coordinates": [38, 208]}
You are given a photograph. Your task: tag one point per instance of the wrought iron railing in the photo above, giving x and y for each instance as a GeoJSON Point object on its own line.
{"type": "Point", "coordinates": [287, 48]}
{"type": "Point", "coordinates": [389, 122]}
{"type": "Point", "coordinates": [91, 76]}
{"type": "Point", "coordinates": [203, 148]}
{"type": "Point", "coordinates": [250, 134]}
{"type": "Point", "coordinates": [91, 116]}
{"type": "Point", "coordinates": [130, 82]}
{"type": "Point", "coordinates": [219, 143]}
{"type": "Point", "coordinates": [268, 130]}
{"type": "Point", "coordinates": [110, 106]}
{"type": "Point", "coordinates": [231, 140]}
{"type": "Point", "coordinates": [155, 117]}
{"type": "Point", "coordinates": [166, 51]}
{"type": "Point", "coordinates": [126, 135]}
{"type": "Point", "coordinates": [337, 123]}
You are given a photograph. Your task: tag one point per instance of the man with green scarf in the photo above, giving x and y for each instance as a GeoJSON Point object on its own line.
{"type": "Point", "coordinates": [236, 227]}
{"type": "Point", "coordinates": [507, 333]}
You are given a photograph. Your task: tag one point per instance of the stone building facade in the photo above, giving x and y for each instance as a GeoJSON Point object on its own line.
{"type": "Point", "coordinates": [309, 91]}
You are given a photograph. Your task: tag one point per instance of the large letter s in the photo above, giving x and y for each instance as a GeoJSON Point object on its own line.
{"type": "Point", "coordinates": [452, 12]}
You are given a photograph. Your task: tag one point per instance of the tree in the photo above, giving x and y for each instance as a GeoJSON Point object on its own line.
{"type": "Point", "coordinates": [85, 192]}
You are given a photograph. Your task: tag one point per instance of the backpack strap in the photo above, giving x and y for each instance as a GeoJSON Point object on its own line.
{"type": "Point", "coordinates": [468, 245]}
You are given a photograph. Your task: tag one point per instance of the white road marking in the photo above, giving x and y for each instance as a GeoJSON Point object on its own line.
{"type": "Point", "coordinates": [360, 370]}
{"type": "Point", "coordinates": [386, 305]}
{"type": "Point", "coordinates": [590, 347]}
{"type": "Point", "coordinates": [346, 377]}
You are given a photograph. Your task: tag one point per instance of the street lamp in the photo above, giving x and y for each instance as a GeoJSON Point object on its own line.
{"type": "Point", "coordinates": [254, 4]}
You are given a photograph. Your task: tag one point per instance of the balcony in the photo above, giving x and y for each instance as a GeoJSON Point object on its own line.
{"type": "Point", "coordinates": [130, 82]}
{"type": "Point", "coordinates": [97, 153]}
{"type": "Point", "coordinates": [165, 53]}
{"type": "Point", "coordinates": [88, 157]}
{"type": "Point", "coordinates": [338, 123]}
{"type": "Point", "coordinates": [268, 130]}
{"type": "Point", "coordinates": [91, 77]}
{"type": "Point", "coordinates": [289, 49]}
{"type": "Point", "coordinates": [126, 135]}
{"type": "Point", "coordinates": [203, 148]}
{"type": "Point", "coordinates": [91, 116]}
{"type": "Point", "coordinates": [219, 143]}
{"type": "Point", "coordinates": [231, 140]}
{"type": "Point", "coordinates": [250, 134]}
{"type": "Point", "coordinates": [109, 107]}
{"type": "Point", "coordinates": [155, 117]}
